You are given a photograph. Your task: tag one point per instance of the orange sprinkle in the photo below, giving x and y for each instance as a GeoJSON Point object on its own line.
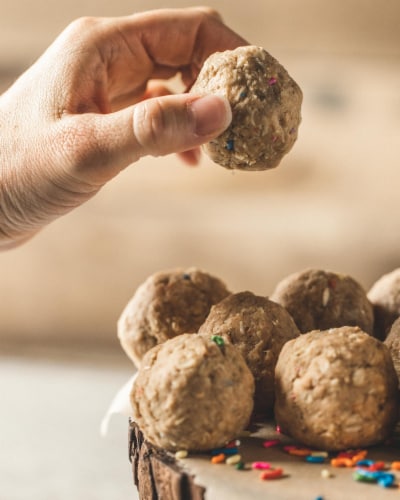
{"type": "Point", "coordinates": [342, 462]}
{"type": "Point", "coordinates": [395, 466]}
{"type": "Point", "coordinates": [300, 452]}
{"type": "Point", "coordinates": [218, 459]}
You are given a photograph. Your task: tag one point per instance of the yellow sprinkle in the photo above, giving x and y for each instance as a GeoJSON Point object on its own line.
{"type": "Point", "coordinates": [319, 454]}
{"type": "Point", "coordinates": [181, 454]}
{"type": "Point", "coordinates": [326, 474]}
{"type": "Point", "coordinates": [233, 459]}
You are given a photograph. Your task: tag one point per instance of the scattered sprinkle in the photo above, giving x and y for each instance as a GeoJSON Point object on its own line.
{"type": "Point", "coordinates": [225, 451]}
{"type": "Point", "coordinates": [272, 80]}
{"type": "Point", "coordinates": [186, 276]}
{"type": "Point", "coordinates": [239, 466]}
{"type": "Point", "coordinates": [278, 429]}
{"type": "Point", "coordinates": [271, 442]}
{"type": "Point", "coordinates": [230, 145]}
{"type": "Point", "coordinates": [243, 94]}
{"type": "Point", "coordinates": [395, 465]}
{"type": "Point", "coordinates": [218, 340]}
{"type": "Point", "coordinates": [324, 454]}
{"type": "Point", "coordinates": [315, 460]}
{"type": "Point", "coordinates": [233, 460]}
{"type": "Point", "coordinates": [271, 474]}
{"type": "Point", "coordinates": [342, 462]}
{"type": "Point", "coordinates": [218, 459]}
{"type": "Point", "coordinates": [261, 465]}
{"type": "Point", "coordinates": [181, 454]}
{"type": "Point", "coordinates": [326, 473]}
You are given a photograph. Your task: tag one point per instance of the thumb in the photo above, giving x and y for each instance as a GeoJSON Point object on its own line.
{"type": "Point", "coordinates": [160, 126]}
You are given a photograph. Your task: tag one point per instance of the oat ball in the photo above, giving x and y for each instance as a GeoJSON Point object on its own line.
{"type": "Point", "coordinates": [318, 300]}
{"type": "Point", "coordinates": [167, 304]}
{"type": "Point", "coordinates": [336, 389]}
{"type": "Point", "coordinates": [192, 393]}
{"type": "Point", "coordinates": [258, 328]}
{"type": "Point", "coordinates": [265, 103]}
{"type": "Point", "coordinates": [385, 297]}
{"type": "Point", "coordinates": [392, 342]}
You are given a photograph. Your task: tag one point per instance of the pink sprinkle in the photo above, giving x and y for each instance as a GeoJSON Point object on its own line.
{"type": "Point", "coordinates": [272, 81]}
{"type": "Point", "coordinates": [261, 465]}
{"type": "Point", "coordinates": [290, 447]}
{"type": "Point", "coordinates": [278, 429]}
{"type": "Point", "coordinates": [271, 442]}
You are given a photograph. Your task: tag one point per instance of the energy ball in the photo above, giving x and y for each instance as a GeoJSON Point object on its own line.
{"type": "Point", "coordinates": [192, 393]}
{"type": "Point", "coordinates": [336, 389]}
{"type": "Point", "coordinates": [265, 103]}
{"type": "Point", "coordinates": [318, 300]}
{"type": "Point", "coordinates": [258, 328]}
{"type": "Point", "coordinates": [167, 304]}
{"type": "Point", "coordinates": [392, 342]}
{"type": "Point", "coordinates": [385, 297]}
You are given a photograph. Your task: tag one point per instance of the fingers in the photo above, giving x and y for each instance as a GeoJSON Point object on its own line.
{"type": "Point", "coordinates": [156, 127]}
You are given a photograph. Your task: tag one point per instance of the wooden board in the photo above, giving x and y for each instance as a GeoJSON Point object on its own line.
{"type": "Point", "coordinates": [159, 476]}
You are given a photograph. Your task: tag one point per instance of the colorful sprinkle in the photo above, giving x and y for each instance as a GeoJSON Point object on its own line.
{"type": "Point", "coordinates": [342, 462]}
{"type": "Point", "coordinates": [272, 81]}
{"type": "Point", "coordinates": [271, 442]}
{"type": "Point", "coordinates": [395, 465]}
{"type": "Point", "coordinates": [181, 454]}
{"type": "Point", "coordinates": [230, 145]}
{"type": "Point", "coordinates": [315, 460]}
{"type": "Point", "coordinates": [261, 465]}
{"type": "Point", "coordinates": [239, 466]}
{"type": "Point", "coordinates": [278, 429]}
{"type": "Point", "coordinates": [218, 340]}
{"type": "Point", "coordinates": [225, 451]}
{"type": "Point", "coordinates": [243, 94]}
{"type": "Point", "coordinates": [326, 473]}
{"type": "Point", "coordinates": [271, 474]}
{"type": "Point", "coordinates": [233, 460]}
{"type": "Point", "coordinates": [218, 459]}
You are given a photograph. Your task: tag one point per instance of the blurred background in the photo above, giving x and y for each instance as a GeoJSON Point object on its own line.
{"type": "Point", "coordinates": [332, 203]}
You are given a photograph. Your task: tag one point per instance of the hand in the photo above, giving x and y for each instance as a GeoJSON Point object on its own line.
{"type": "Point", "coordinates": [88, 108]}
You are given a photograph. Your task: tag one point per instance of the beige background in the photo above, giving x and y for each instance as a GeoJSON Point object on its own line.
{"type": "Point", "coordinates": [332, 203]}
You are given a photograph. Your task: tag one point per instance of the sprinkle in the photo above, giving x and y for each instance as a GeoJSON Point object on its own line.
{"type": "Point", "coordinates": [230, 145]}
{"type": "Point", "coordinates": [292, 130]}
{"type": "Point", "coordinates": [319, 498]}
{"type": "Point", "coordinates": [225, 451]}
{"type": "Point", "coordinates": [271, 442]}
{"type": "Point", "coordinates": [239, 466]}
{"type": "Point", "coordinates": [386, 480]}
{"type": "Point", "coordinates": [233, 459]}
{"type": "Point", "coordinates": [271, 474]}
{"type": "Point", "coordinates": [181, 454]}
{"type": "Point", "coordinates": [300, 452]}
{"type": "Point", "coordinates": [324, 454]}
{"type": "Point", "coordinates": [233, 444]}
{"type": "Point", "coordinates": [186, 276]}
{"type": "Point", "coordinates": [218, 340]}
{"type": "Point", "coordinates": [395, 465]}
{"type": "Point", "coordinates": [274, 138]}
{"type": "Point", "coordinates": [272, 80]}
{"type": "Point", "coordinates": [342, 462]}
{"type": "Point", "coordinates": [261, 465]}
{"type": "Point", "coordinates": [278, 429]}
{"type": "Point", "coordinates": [359, 476]}
{"type": "Point", "coordinates": [315, 460]}
{"type": "Point", "coordinates": [326, 473]}
{"type": "Point", "coordinates": [243, 94]}
{"type": "Point", "coordinates": [218, 459]}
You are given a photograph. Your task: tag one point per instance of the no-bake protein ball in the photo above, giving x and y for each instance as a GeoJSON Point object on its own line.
{"type": "Point", "coordinates": [385, 297]}
{"type": "Point", "coordinates": [392, 342]}
{"type": "Point", "coordinates": [192, 393]}
{"type": "Point", "coordinates": [336, 389]}
{"type": "Point", "coordinates": [167, 304]}
{"type": "Point", "coordinates": [265, 103]}
{"type": "Point", "coordinates": [258, 328]}
{"type": "Point", "coordinates": [318, 300]}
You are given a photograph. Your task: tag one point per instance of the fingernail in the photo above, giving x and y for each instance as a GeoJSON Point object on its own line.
{"type": "Point", "coordinates": [211, 114]}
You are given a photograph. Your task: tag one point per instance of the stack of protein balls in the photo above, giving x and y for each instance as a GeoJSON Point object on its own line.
{"type": "Point", "coordinates": [210, 361]}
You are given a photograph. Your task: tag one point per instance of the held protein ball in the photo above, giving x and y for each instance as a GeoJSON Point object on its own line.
{"type": "Point", "coordinates": [318, 300]}
{"type": "Point", "coordinates": [265, 103]}
{"type": "Point", "coordinates": [167, 304]}
{"type": "Point", "coordinates": [336, 389]}
{"type": "Point", "coordinates": [192, 393]}
{"type": "Point", "coordinates": [258, 328]}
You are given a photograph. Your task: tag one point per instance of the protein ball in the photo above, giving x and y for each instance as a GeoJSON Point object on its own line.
{"type": "Point", "coordinates": [167, 304]}
{"type": "Point", "coordinates": [336, 389]}
{"type": "Point", "coordinates": [318, 300]}
{"type": "Point", "coordinates": [385, 297]}
{"type": "Point", "coordinates": [265, 102]}
{"type": "Point", "coordinates": [258, 328]}
{"type": "Point", "coordinates": [392, 342]}
{"type": "Point", "coordinates": [192, 393]}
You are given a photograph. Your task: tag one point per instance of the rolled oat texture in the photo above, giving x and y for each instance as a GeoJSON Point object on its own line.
{"type": "Point", "coordinates": [258, 328]}
{"type": "Point", "coordinates": [192, 394]}
{"type": "Point", "coordinates": [336, 389]}
{"type": "Point", "coordinates": [318, 300]}
{"type": "Point", "coordinates": [265, 103]}
{"type": "Point", "coordinates": [392, 342]}
{"type": "Point", "coordinates": [167, 304]}
{"type": "Point", "coordinates": [385, 297]}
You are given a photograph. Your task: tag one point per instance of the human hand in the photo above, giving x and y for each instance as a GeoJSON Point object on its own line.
{"type": "Point", "coordinates": [88, 108]}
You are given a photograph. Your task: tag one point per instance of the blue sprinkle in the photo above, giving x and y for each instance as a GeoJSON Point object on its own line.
{"type": "Point", "coordinates": [186, 276]}
{"type": "Point", "coordinates": [230, 145]}
{"type": "Point", "coordinates": [242, 95]}
{"type": "Point", "coordinates": [315, 459]}
{"type": "Point", "coordinates": [226, 451]}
